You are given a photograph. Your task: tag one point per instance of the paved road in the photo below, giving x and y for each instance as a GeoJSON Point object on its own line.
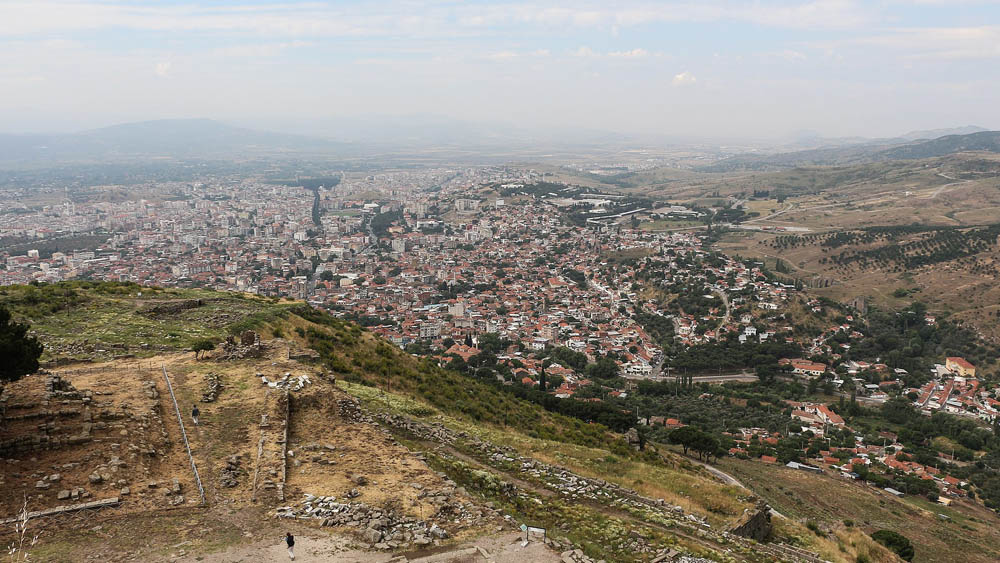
{"type": "Point", "coordinates": [743, 377]}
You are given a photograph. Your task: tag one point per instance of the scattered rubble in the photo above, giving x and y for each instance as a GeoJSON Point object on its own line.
{"type": "Point", "coordinates": [149, 388]}
{"type": "Point", "coordinates": [214, 387]}
{"type": "Point", "coordinates": [576, 556]}
{"type": "Point", "coordinates": [385, 528]}
{"type": "Point", "coordinates": [287, 381]}
{"type": "Point", "coordinates": [231, 472]}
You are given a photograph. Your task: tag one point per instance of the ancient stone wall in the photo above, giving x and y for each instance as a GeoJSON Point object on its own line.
{"type": "Point", "coordinates": [755, 524]}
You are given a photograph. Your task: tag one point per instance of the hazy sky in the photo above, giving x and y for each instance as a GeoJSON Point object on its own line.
{"type": "Point", "coordinates": [761, 68]}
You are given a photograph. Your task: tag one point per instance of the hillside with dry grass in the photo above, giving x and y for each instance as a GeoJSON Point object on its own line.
{"type": "Point", "coordinates": [312, 425]}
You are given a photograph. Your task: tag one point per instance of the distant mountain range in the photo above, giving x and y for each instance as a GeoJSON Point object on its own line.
{"type": "Point", "coordinates": [381, 135]}
{"type": "Point", "coordinates": [937, 133]}
{"type": "Point", "coordinates": [342, 137]}
{"type": "Point", "coordinates": [176, 138]}
{"type": "Point", "coordinates": [888, 149]}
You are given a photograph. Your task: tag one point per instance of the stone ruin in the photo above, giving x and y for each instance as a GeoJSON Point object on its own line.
{"type": "Point", "coordinates": [385, 528]}
{"type": "Point", "coordinates": [248, 345]}
{"type": "Point", "coordinates": [214, 387]}
{"type": "Point", "coordinates": [120, 440]}
{"type": "Point", "coordinates": [754, 524]}
{"type": "Point", "coordinates": [62, 402]}
{"type": "Point", "coordinates": [231, 472]}
{"type": "Point", "coordinates": [286, 381]}
{"type": "Point", "coordinates": [632, 439]}
{"type": "Point", "coordinates": [59, 389]}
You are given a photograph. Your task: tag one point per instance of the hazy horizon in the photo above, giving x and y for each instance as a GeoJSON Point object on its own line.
{"type": "Point", "coordinates": [839, 68]}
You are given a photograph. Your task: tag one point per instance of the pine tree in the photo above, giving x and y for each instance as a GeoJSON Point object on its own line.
{"type": "Point", "coordinates": [19, 351]}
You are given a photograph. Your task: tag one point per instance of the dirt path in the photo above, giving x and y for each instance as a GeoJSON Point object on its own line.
{"type": "Point", "coordinates": [503, 548]}
{"type": "Point", "coordinates": [725, 301]}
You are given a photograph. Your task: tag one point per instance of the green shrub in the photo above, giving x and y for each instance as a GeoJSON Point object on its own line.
{"type": "Point", "coordinates": [895, 541]}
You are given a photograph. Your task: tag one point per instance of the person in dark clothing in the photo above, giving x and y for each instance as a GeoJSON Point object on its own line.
{"type": "Point", "coordinates": [290, 540]}
{"type": "Point", "coordinates": [194, 414]}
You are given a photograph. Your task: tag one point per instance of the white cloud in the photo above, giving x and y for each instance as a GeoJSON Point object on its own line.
{"type": "Point", "coordinates": [25, 17]}
{"type": "Point", "coordinates": [945, 43]}
{"type": "Point", "coordinates": [256, 50]}
{"type": "Point", "coordinates": [633, 54]}
{"type": "Point", "coordinates": [684, 79]}
{"type": "Point", "coordinates": [511, 55]}
{"type": "Point", "coordinates": [585, 52]}
{"type": "Point", "coordinates": [790, 55]}
{"type": "Point", "coordinates": [162, 68]}
{"type": "Point", "coordinates": [800, 15]}
{"type": "Point", "coordinates": [503, 56]}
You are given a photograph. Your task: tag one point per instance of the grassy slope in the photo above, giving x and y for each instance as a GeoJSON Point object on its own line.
{"type": "Point", "coordinates": [970, 535]}
{"type": "Point", "coordinates": [94, 321]}
{"type": "Point", "coordinates": [386, 378]}
{"type": "Point", "coordinates": [421, 390]}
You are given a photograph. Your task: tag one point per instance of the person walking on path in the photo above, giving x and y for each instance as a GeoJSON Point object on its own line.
{"type": "Point", "coordinates": [290, 540]}
{"type": "Point", "coordinates": [194, 414]}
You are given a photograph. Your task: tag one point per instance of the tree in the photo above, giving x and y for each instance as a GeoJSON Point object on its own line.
{"type": "Point", "coordinates": [202, 345]}
{"type": "Point", "coordinates": [326, 276]}
{"type": "Point", "coordinates": [686, 436]}
{"type": "Point", "coordinates": [604, 368]}
{"type": "Point", "coordinates": [19, 351]}
{"type": "Point", "coordinates": [554, 381]}
{"type": "Point", "coordinates": [705, 444]}
{"type": "Point", "coordinates": [895, 541]}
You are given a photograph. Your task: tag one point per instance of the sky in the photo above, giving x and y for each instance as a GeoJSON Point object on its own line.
{"type": "Point", "coordinates": [728, 69]}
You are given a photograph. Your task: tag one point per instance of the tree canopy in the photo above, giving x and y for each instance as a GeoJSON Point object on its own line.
{"type": "Point", "coordinates": [202, 345]}
{"type": "Point", "coordinates": [20, 352]}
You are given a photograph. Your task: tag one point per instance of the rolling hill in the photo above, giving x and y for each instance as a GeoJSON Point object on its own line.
{"type": "Point", "coordinates": [988, 141]}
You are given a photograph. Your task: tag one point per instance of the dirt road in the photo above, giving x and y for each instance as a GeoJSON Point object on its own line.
{"type": "Point", "coordinates": [503, 548]}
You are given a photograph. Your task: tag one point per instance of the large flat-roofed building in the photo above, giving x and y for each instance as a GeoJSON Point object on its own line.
{"type": "Point", "coordinates": [960, 366]}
